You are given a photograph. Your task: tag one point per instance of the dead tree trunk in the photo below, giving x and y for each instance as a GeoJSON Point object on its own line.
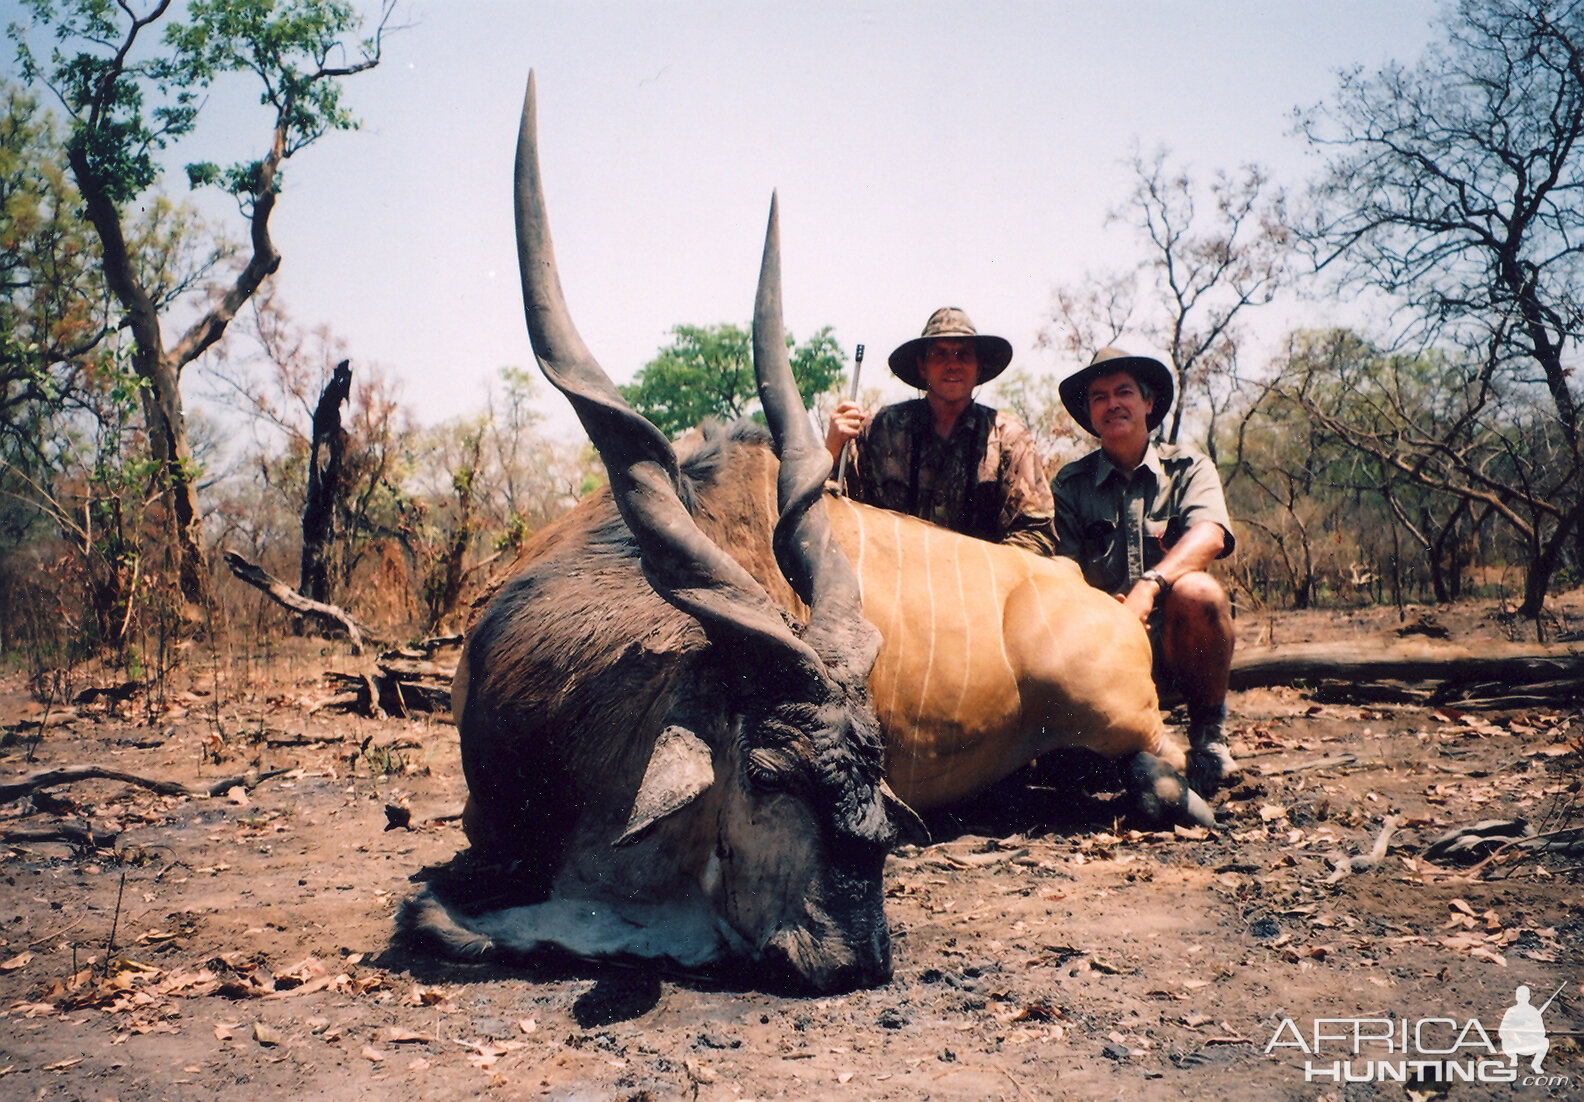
{"type": "Point", "coordinates": [325, 454]}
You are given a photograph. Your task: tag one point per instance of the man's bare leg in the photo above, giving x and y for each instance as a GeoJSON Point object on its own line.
{"type": "Point", "coordinates": [1196, 642]}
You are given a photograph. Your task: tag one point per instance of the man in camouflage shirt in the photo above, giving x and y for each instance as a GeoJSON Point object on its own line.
{"type": "Point", "coordinates": [944, 457]}
{"type": "Point", "coordinates": [1145, 521]}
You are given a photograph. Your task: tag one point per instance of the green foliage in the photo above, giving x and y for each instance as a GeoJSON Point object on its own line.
{"type": "Point", "coordinates": [127, 105]}
{"type": "Point", "coordinates": [128, 97]}
{"type": "Point", "coordinates": [707, 371]}
{"type": "Point", "coordinates": [53, 317]}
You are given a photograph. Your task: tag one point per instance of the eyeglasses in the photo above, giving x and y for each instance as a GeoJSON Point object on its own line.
{"type": "Point", "coordinates": [940, 354]}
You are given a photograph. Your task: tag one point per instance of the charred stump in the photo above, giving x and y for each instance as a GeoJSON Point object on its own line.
{"type": "Point", "coordinates": [326, 452]}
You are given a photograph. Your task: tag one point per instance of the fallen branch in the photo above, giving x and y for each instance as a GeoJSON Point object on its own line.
{"type": "Point", "coordinates": [247, 781]}
{"type": "Point", "coordinates": [399, 688]}
{"type": "Point", "coordinates": [48, 778]}
{"type": "Point", "coordinates": [284, 594]}
{"type": "Point", "coordinates": [65, 832]}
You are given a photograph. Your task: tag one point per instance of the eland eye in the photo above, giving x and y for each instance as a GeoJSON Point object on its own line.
{"type": "Point", "coordinates": [767, 769]}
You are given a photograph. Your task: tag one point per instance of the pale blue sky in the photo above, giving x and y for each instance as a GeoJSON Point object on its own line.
{"type": "Point", "coordinates": [926, 154]}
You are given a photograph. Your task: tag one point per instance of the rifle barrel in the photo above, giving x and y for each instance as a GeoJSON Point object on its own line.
{"type": "Point", "coordinates": [852, 394]}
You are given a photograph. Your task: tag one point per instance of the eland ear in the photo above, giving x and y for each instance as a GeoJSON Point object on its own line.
{"type": "Point", "coordinates": [680, 769]}
{"type": "Point", "coordinates": [910, 828]}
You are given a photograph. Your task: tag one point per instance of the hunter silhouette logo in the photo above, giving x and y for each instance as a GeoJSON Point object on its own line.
{"type": "Point", "coordinates": [1417, 1050]}
{"type": "Point", "coordinates": [1522, 1029]}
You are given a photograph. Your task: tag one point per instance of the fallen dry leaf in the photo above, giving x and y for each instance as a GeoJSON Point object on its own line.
{"type": "Point", "coordinates": [1035, 1012]}
{"type": "Point", "coordinates": [303, 971]}
{"type": "Point", "coordinates": [424, 996]}
{"type": "Point", "coordinates": [34, 1010]}
{"type": "Point", "coordinates": [698, 1072]}
{"type": "Point", "coordinates": [486, 1054]}
{"type": "Point", "coordinates": [18, 961]}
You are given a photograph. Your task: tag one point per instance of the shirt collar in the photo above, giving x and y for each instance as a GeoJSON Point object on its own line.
{"type": "Point", "coordinates": [1105, 469]}
{"type": "Point", "coordinates": [924, 419]}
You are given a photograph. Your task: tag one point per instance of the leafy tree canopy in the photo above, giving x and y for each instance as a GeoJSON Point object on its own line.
{"type": "Point", "coordinates": [128, 104]}
{"type": "Point", "coordinates": [707, 371]}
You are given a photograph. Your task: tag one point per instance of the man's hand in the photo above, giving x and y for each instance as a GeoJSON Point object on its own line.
{"type": "Point", "coordinates": [1140, 600]}
{"type": "Point", "coordinates": [847, 419]}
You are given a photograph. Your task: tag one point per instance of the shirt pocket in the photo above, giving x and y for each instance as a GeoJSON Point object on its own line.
{"type": "Point", "coordinates": [1097, 536]}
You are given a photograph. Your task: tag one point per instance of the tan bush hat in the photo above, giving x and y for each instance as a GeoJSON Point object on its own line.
{"type": "Point", "coordinates": [1151, 372]}
{"type": "Point", "coordinates": [994, 352]}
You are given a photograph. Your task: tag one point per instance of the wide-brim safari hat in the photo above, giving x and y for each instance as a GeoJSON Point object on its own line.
{"type": "Point", "coordinates": [994, 352]}
{"type": "Point", "coordinates": [1147, 370]}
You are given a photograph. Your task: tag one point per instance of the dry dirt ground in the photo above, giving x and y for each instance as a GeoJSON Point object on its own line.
{"type": "Point", "coordinates": [239, 946]}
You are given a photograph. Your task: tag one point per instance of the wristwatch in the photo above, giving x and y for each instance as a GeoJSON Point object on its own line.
{"type": "Point", "coordinates": [1161, 584]}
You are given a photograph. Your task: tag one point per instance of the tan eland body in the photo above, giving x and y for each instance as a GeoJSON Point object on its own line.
{"type": "Point", "coordinates": [991, 655]}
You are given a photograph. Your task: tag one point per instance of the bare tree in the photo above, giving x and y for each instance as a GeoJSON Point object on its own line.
{"type": "Point", "coordinates": [126, 102]}
{"type": "Point", "coordinates": [330, 453]}
{"type": "Point", "coordinates": [1034, 399]}
{"type": "Point", "coordinates": [1202, 269]}
{"type": "Point", "coordinates": [1425, 442]}
{"type": "Point", "coordinates": [1454, 187]}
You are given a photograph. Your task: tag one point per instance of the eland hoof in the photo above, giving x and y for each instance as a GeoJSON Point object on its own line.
{"type": "Point", "coordinates": [1163, 797]}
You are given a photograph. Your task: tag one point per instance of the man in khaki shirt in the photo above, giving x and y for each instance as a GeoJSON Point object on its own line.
{"type": "Point", "coordinates": [1144, 521]}
{"type": "Point", "coordinates": [944, 457]}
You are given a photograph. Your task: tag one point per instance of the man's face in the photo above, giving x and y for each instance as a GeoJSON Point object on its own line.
{"type": "Point", "coordinates": [1118, 410]}
{"type": "Point", "coordinates": [951, 368]}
